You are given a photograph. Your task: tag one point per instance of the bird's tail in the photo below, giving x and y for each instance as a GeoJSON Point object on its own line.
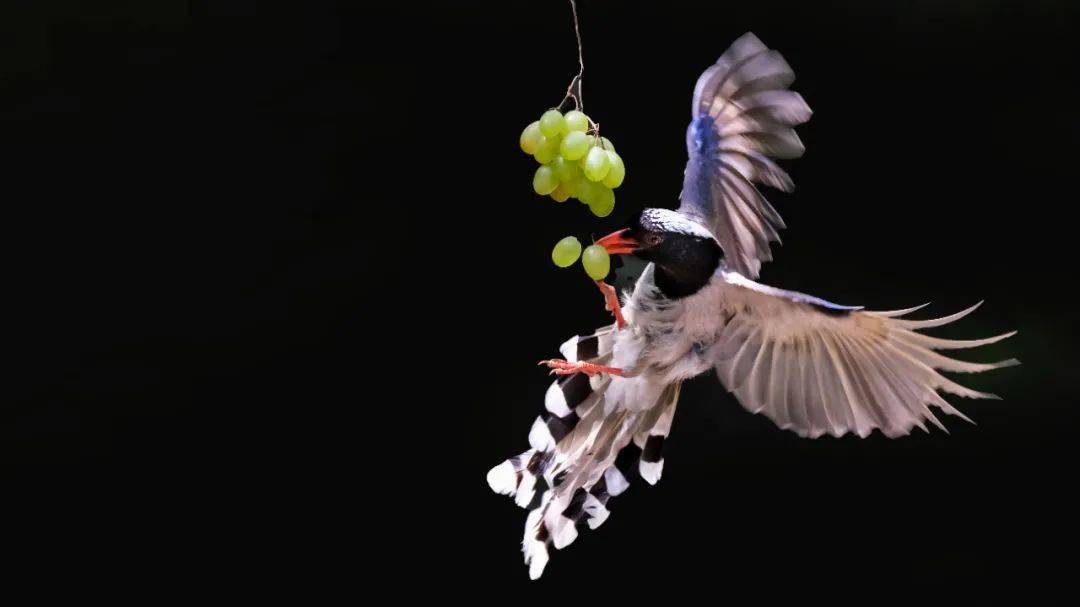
{"type": "Point", "coordinates": [582, 452]}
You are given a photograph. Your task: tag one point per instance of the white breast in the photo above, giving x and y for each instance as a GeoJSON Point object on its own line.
{"type": "Point", "coordinates": [663, 338]}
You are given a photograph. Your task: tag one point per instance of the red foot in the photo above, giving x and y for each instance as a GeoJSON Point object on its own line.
{"type": "Point", "coordinates": [611, 302]}
{"type": "Point", "coordinates": [561, 367]}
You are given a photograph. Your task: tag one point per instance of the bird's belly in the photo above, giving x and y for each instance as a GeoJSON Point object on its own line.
{"type": "Point", "coordinates": [669, 340]}
{"type": "Point", "coordinates": [680, 357]}
{"type": "Point", "coordinates": [660, 363]}
{"type": "Point", "coordinates": [664, 354]}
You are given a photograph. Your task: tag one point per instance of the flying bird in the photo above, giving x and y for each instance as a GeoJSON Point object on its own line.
{"type": "Point", "coordinates": [811, 366]}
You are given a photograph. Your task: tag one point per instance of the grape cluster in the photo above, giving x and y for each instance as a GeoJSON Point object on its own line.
{"type": "Point", "coordinates": [595, 259]}
{"type": "Point", "coordinates": [575, 161]}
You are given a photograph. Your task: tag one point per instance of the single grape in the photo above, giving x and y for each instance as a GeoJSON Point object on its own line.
{"type": "Point", "coordinates": [606, 144]}
{"type": "Point", "coordinates": [565, 170]}
{"type": "Point", "coordinates": [596, 261]}
{"type": "Point", "coordinates": [596, 164]}
{"type": "Point", "coordinates": [586, 190]}
{"type": "Point", "coordinates": [577, 121]}
{"type": "Point", "coordinates": [546, 149]}
{"type": "Point", "coordinates": [616, 173]}
{"type": "Point", "coordinates": [575, 186]}
{"type": "Point", "coordinates": [602, 201]}
{"type": "Point", "coordinates": [530, 137]}
{"type": "Point", "coordinates": [552, 124]}
{"type": "Point", "coordinates": [544, 181]}
{"type": "Point", "coordinates": [560, 194]}
{"type": "Point", "coordinates": [566, 252]}
{"type": "Point", "coordinates": [575, 145]}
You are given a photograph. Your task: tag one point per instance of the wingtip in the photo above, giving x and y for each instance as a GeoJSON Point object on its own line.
{"type": "Point", "coordinates": [971, 309]}
{"type": "Point", "coordinates": [936, 322]}
{"type": "Point", "coordinates": [995, 339]}
{"type": "Point", "coordinates": [748, 36]}
{"type": "Point", "coordinates": [898, 313]}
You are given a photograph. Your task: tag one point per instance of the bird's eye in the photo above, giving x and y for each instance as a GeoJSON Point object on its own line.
{"type": "Point", "coordinates": [653, 239]}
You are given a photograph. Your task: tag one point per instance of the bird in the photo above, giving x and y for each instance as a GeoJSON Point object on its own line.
{"type": "Point", "coordinates": [812, 367]}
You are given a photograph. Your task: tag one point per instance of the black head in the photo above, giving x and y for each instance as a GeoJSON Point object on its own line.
{"type": "Point", "coordinates": [684, 252]}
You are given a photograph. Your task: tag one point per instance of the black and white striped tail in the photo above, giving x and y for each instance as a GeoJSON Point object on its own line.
{"type": "Point", "coordinates": [650, 439]}
{"type": "Point", "coordinates": [566, 401]}
{"type": "Point", "coordinates": [583, 452]}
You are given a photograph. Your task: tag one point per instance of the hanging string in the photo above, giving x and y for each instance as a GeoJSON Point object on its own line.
{"type": "Point", "coordinates": [573, 92]}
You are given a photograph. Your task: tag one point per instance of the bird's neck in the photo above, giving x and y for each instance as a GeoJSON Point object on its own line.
{"type": "Point", "coordinates": [693, 270]}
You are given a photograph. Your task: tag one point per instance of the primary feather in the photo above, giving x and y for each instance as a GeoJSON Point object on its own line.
{"type": "Point", "coordinates": [816, 368]}
{"type": "Point", "coordinates": [742, 118]}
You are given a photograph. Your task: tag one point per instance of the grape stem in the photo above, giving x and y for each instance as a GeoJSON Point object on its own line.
{"type": "Point", "coordinates": [574, 91]}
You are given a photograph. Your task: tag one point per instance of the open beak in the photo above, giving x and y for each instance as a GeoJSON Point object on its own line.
{"type": "Point", "coordinates": [617, 243]}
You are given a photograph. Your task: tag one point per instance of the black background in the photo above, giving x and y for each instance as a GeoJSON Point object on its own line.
{"type": "Point", "coordinates": [275, 268]}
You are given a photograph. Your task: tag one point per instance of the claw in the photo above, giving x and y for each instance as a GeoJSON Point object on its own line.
{"type": "Point", "coordinates": [560, 367]}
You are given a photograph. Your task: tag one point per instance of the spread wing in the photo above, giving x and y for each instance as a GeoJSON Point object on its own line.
{"type": "Point", "coordinates": [815, 367]}
{"type": "Point", "coordinates": [743, 116]}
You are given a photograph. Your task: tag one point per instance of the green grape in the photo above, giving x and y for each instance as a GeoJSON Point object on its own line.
{"type": "Point", "coordinates": [596, 164]}
{"type": "Point", "coordinates": [616, 173]}
{"type": "Point", "coordinates": [565, 170]}
{"type": "Point", "coordinates": [596, 261]}
{"type": "Point", "coordinates": [530, 137]}
{"type": "Point", "coordinates": [566, 252]}
{"type": "Point", "coordinates": [575, 145]}
{"type": "Point", "coordinates": [606, 144]}
{"type": "Point", "coordinates": [546, 149]}
{"type": "Point", "coordinates": [544, 181]}
{"type": "Point", "coordinates": [602, 201]}
{"type": "Point", "coordinates": [577, 121]}
{"type": "Point", "coordinates": [552, 124]}
{"type": "Point", "coordinates": [575, 186]}
{"type": "Point", "coordinates": [586, 190]}
{"type": "Point", "coordinates": [560, 194]}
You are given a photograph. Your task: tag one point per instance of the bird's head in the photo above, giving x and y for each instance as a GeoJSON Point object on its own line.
{"type": "Point", "coordinates": [685, 253]}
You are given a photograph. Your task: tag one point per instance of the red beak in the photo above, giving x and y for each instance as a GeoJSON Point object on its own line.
{"type": "Point", "coordinates": [617, 243]}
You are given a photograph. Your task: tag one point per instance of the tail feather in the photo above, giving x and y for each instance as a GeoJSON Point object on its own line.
{"type": "Point", "coordinates": [589, 348]}
{"type": "Point", "coordinates": [554, 522]}
{"type": "Point", "coordinates": [651, 437]}
{"type": "Point", "coordinates": [570, 398]}
{"type": "Point", "coordinates": [584, 451]}
{"type": "Point", "coordinates": [521, 477]}
{"type": "Point", "coordinates": [567, 401]}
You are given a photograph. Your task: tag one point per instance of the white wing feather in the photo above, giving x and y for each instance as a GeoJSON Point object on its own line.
{"type": "Point", "coordinates": [816, 368]}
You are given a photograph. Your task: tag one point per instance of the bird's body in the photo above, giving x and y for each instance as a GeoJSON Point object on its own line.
{"type": "Point", "coordinates": [811, 366]}
{"type": "Point", "coordinates": [665, 339]}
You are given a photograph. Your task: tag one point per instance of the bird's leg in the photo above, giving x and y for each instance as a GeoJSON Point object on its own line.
{"type": "Point", "coordinates": [611, 302]}
{"type": "Point", "coordinates": [562, 367]}
{"type": "Point", "coordinates": [559, 366]}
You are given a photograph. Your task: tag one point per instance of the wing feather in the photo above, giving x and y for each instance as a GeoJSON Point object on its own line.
{"type": "Point", "coordinates": [743, 114]}
{"type": "Point", "coordinates": [800, 395]}
{"type": "Point", "coordinates": [815, 367]}
{"type": "Point", "coordinates": [777, 389]}
{"type": "Point", "coordinates": [743, 362]}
